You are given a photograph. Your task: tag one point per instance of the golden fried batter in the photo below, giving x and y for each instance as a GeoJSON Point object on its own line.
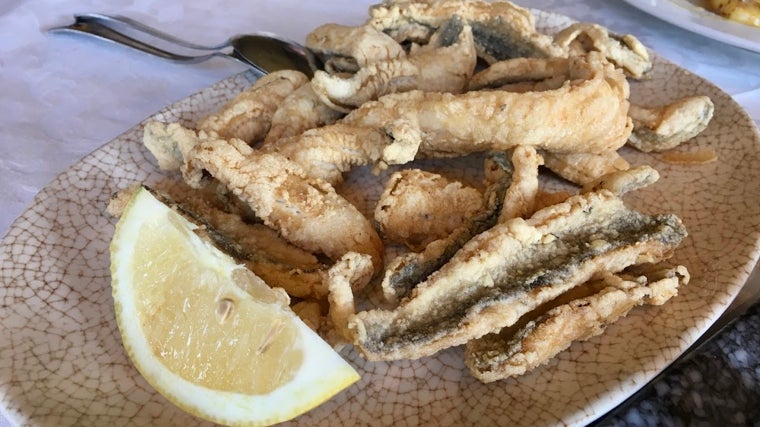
{"type": "Point", "coordinates": [248, 115]}
{"type": "Point", "coordinates": [307, 212]}
{"type": "Point", "coordinates": [417, 207]}
{"type": "Point", "coordinates": [663, 128]}
{"type": "Point", "coordinates": [514, 351]}
{"type": "Point", "coordinates": [347, 49]}
{"type": "Point", "coordinates": [502, 30]}
{"type": "Point", "coordinates": [625, 52]}
{"type": "Point", "coordinates": [584, 168]}
{"type": "Point", "coordinates": [520, 70]}
{"type": "Point", "coordinates": [513, 268]}
{"type": "Point", "coordinates": [588, 114]}
{"type": "Point", "coordinates": [300, 111]}
{"type": "Point", "coordinates": [327, 152]}
{"type": "Point", "coordinates": [444, 65]}
{"type": "Point", "coordinates": [624, 181]}
{"type": "Point", "coordinates": [404, 272]}
{"type": "Point", "coordinates": [520, 198]}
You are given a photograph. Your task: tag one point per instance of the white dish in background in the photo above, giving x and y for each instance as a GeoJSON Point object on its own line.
{"type": "Point", "coordinates": [62, 361]}
{"type": "Point", "coordinates": [688, 15]}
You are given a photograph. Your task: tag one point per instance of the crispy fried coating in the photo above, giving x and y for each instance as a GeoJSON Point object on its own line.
{"type": "Point", "coordinates": [520, 197]}
{"type": "Point", "coordinates": [625, 51]}
{"type": "Point", "coordinates": [520, 70]}
{"type": "Point", "coordinates": [513, 268]}
{"type": "Point", "coordinates": [404, 272]}
{"type": "Point", "coordinates": [417, 207]}
{"type": "Point", "coordinates": [259, 248]}
{"type": "Point", "coordinates": [345, 49]}
{"type": "Point", "coordinates": [577, 317]}
{"type": "Point", "coordinates": [501, 29]}
{"type": "Point", "coordinates": [353, 271]}
{"type": "Point", "coordinates": [584, 168]}
{"type": "Point", "coordinates": [663, 128]}
{"type": "Point", "coordinates": [444, 65]}
{"type": "Point", "coordinates": [624, 181]}
{"type": "Point", "coordinates": [327, 152]}
{"type": "Point", "coordinates": [300, 111]}
{"type": "Point", "coordinates": [249, 114]}
{"type": "Point", "coordinates": [307, 212]}
{"type": "Point", "coordinates": [589, 111]}
{"type": "Point", "coordinates": [168, 143]}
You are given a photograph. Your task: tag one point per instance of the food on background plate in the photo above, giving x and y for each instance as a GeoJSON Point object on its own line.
{"type": "Point", "coordinates": [744, 11]}
{"type": "Point", "coordinates": [207, 333]}
{"type": "Point", "coordinates": [445, 263]}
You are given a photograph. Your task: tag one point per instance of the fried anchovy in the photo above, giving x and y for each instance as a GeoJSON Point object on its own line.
{"type": "Point", "coordinates": [511, 269]}
{"type": "Point", "coordinates": [662, 128]}
{"type": "Point", "coordinates": [518, 349]}
{"type": "Point", "coordinates": [407, 271]}
{"type": "Point", "coordinates": [297, 280]}
{"type": "Point", "coordinates": [501, 29]}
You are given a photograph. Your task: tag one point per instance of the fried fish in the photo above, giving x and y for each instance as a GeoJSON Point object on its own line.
{"type": "Point", "coordinates": [513, 268]}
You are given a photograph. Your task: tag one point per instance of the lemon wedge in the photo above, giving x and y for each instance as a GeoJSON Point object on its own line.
{"type": "Point", "coordinates": [207, 333]}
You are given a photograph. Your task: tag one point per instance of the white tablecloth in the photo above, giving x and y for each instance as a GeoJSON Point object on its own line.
{"type": "Point", "coordinates": [64, 96]}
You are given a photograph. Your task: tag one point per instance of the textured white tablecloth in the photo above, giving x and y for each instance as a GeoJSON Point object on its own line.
{"type": "Point", "coordinates": [64, 96]}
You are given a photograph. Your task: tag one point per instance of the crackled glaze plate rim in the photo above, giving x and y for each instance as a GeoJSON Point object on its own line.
{"type": "Point", "coordinates": [688, 15]}
{"type": "Point", "coordinates": [62, 362]}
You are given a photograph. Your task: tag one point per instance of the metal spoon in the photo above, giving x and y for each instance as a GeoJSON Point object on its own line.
{"type": "Point", "coordinates": [264, 52]}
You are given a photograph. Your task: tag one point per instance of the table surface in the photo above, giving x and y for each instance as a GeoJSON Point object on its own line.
{"type": "Point", "coordinates": [64, 96]}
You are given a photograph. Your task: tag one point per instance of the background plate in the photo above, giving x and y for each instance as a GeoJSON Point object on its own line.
{"type": "Point", "coordinates": [62, 362]}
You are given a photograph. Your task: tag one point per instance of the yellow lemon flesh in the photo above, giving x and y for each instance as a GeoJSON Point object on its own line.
{"type": "Point", "coordinates": [207, 333]}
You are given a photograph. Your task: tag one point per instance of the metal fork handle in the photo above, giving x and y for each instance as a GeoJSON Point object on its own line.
{"type": "Point", "coordinates": [94, 28]}
{"type": "Point", "coordinates": [127, 25]}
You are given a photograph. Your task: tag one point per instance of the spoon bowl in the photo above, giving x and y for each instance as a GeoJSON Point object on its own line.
{"type": "Point", "coordinates": [265, 52]}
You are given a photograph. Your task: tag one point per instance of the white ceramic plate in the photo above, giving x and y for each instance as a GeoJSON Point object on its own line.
{"type": "Point", "coordinates": [62, 362]}
{"type": "Point", "coordinates": [688, 15]}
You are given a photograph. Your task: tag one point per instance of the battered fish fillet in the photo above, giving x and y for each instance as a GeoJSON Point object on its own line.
{"type": "Point", "coordinates": [417, 207]}
{"type": "Point", "coordinates": [588, 114]}
{"type": "Point", "coordinates": [352, 271]}
{"type": "Point", "coordinates": [520, 71]}
{"type": "Point", "coordinates": [624, 181]}
{"type": "Point", "coordinates": [584, 168]}
{"type": "Point", "coordinates": [300, 111]}
{"type": "Point", "coordinates": [345, 49]}
{"type": "Point", "coordinates": [513, 268]}
{"type": "Point", "coordinates": [626, 51]}
{"type": "Point", "coordinates": [256, 246]}
{"type": "Point", "coordinates": [169, 143]}
{"type": "Point", "coordinates": [501, 29]}
{"type": "Point", "coordinates": [306, 212]}
{"type": "Point", "coordinates": [444, 65]}
{"type": "Point", "coordinates": [520, 198]}
{"type": "Point", "coordinates": [663, 128]}
{"type": "Point", "coordinates": [404, 272]}
{"type": "Point", "coordinates": [579, 315]}
{"type": "Point", "coordinates": [327, 152]}
{"type": "Point", "coordinates": [248, 115]}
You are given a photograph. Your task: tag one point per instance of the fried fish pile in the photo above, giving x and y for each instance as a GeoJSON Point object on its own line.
{"type": "Point", "coordinates": [510, 270]}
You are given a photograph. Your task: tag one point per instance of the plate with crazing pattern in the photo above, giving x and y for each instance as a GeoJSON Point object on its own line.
{"type": "Point", "coordinates": [62, 361]}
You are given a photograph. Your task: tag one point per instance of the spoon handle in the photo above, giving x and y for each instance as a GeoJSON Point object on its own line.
{"type": "Point", "coordinates": [127, 25]}
{"type": "Point", "coordinates": [97, 29]}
